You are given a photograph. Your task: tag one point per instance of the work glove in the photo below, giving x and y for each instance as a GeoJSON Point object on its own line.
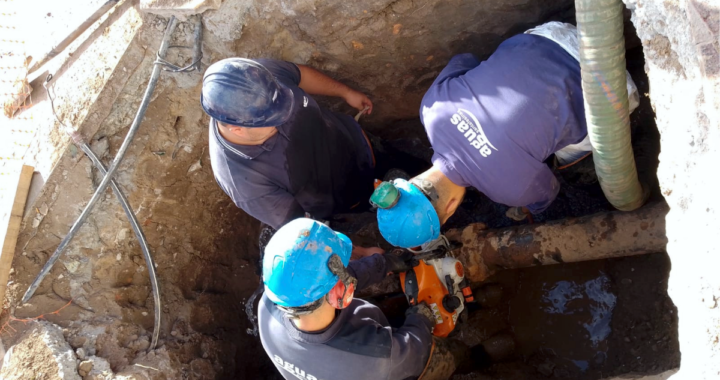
{"type": "Point", "coordinates": [422, 309]}
{"type": "Point", "coordinates": [398, 261]}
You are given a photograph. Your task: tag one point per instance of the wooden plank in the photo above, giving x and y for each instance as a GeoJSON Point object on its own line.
{"type": "Point", "coordinates": [13, 226]}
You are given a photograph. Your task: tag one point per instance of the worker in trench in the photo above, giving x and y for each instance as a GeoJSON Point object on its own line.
{"type": "Point", "coordinates": [492, 126]}
{"type": "Point", "coordinates": [312, 328]}
{"type": "Point", "coordinates": [278, 155]}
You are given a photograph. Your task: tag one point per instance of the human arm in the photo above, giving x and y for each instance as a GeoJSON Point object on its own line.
{"type": "Point", "coordinates": [458, 65]}
{"type": "Point", "coordinates": [316, 83]}
{"type": "Point", "coordinates": [411, 344]}
{"type": "Point", "coordinates": [275, 208]}
{"type": "Point", "coordinates": [370, 270]}
{"type": "Point", "coordinates": [541, 190]}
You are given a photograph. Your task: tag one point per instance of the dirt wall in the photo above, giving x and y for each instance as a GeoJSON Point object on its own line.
{"type": "Point", "coordinates": [680, 40]}
{"type": "Point", "coordinates": [391, 50]}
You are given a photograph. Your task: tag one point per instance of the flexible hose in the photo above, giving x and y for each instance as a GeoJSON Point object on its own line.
{"type": "Point", "coordinates": [602, 62]}
{"type": "Point", "coordinates": [80, 143]}
{"type": "Point", "coordinates": [141, 240]}
{"type": "Point", "coordinates": [109, 174]}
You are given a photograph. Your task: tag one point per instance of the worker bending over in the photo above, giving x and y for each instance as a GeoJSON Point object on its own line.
{"type": "Point", "coordinates": [274, 151]}
{"type": "Point", "coordinates": [312, 328]}
{"type": "Point", "coordinates": [492, 125]}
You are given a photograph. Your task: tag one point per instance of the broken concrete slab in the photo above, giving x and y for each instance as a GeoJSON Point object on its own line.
{"type": "Point", "coordinates": [41, 353]}
{"type": "Point", "coordinates": [178, 8]}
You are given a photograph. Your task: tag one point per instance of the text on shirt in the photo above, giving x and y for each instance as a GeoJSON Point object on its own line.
{"type": "Point", "coordinates": [469, 125]}
{"type": "Point", "coordinates": [295, 371]}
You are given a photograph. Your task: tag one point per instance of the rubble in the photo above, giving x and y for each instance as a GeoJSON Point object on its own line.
{"type": "Point", "coordinates": [43, 352]}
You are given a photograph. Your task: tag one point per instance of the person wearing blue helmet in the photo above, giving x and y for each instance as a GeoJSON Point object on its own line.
{"type": "Point", "coordinates": [493, 125]}
{"type": "Point", "coordinates": [275, 151]}
{"type": "Point", "coordinates": [312, 328]}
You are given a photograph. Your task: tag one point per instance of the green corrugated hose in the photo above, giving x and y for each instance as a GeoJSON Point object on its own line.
{"type": "Point", "coordinates": [602, 61]}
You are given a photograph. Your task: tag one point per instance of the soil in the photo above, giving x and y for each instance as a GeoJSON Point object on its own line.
{"type": "Point", "coordinates": [642, 328]}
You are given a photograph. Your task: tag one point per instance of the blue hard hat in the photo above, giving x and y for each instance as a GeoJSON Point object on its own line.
{"type": "Point", "coordinates": [412, 221]}
{"type": "Point", "coordinates": [295, 266]}
{"type": "Point", "coordinates": [243, 92]}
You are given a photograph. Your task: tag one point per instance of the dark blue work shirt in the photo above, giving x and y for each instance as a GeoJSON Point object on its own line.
{"type": "Point", "coordinates": [319, 161]}
{"type": "Point", "coordinates": [359, 344]}
{"type": "Point", "coordinates": [493, 123]}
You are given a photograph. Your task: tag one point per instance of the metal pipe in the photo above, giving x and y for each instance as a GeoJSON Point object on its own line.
{"type": "Point", "coordinates": [113, 166]}
{"type": "Point", "coordinates": [57, 49]}
{"type": "Point", "coordinates": [82, 144]}
{"type": "Point", "coordinates": [602, 63]}
{"type": "Point", "coordinates": [594, 237]}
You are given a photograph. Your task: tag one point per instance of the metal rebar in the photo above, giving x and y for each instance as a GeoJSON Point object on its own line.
{"type": "Point", "coordinates": [113, 166]}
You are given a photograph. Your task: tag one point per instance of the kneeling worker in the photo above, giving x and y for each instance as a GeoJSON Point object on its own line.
{"type": "Point", "coordinates": [312, 328]}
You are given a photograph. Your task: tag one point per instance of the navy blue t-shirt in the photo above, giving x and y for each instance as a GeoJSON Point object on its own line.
{"type": "Point", "coordinates": [493, 123]}
{"type": "Point", "coordinates": [359, 344]}
{"type": "Point", "coordinates": [319, 161]}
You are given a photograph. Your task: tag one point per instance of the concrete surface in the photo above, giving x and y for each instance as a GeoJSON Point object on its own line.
{"type": "Point", "coordinates": [680, 40]}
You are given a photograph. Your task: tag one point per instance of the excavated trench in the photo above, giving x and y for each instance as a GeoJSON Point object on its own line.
{"type": "Point", "coordinates": [586, 320]}
{"type": "Point", "coordinates": [589, 320]}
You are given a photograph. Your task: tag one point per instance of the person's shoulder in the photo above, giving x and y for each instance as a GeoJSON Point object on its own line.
{"type": "Point", "coordinates": [364, 331]}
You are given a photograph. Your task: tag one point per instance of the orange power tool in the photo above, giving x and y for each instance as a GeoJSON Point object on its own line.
{"type": "Point", "coordinates": [438, 279]}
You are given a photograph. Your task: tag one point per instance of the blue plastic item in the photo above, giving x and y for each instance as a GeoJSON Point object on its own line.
{"type": "Point", "coordinates": [242, 92]}
{"type": "Point", "coordinates": [412, 221]}
{"type": "Point", "coordinates": [295, 266]}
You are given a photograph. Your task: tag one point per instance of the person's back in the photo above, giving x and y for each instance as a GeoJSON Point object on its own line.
{"type": "Point", "coordinates": [358, 345]}
{"type": "Point", "coordinates": [493, 123]}
{"type": "Point", "coordinates": [310, 325]}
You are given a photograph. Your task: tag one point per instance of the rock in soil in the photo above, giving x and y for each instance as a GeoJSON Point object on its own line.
{"type": "Point", "coordinates": [42, 354]}
{"type": "Point", "coordinates": [85, 367]}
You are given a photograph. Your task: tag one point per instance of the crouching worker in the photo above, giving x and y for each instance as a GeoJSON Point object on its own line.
{"type": "Point", "coordinates": [312, 328]}
{"type": "Point", "coordinates": [493, 124]}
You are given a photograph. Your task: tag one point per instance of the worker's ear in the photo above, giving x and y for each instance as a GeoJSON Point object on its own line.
{"type": "Point", "coordinates": [237, 131]}
{"type": "Point", "coordinates": [340, 296]}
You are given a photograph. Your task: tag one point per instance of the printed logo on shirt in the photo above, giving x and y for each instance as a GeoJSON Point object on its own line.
{"type": "Point", "coordinates": [470, 127]}
{"type": "Point", "coordinates": [305, 101]}
{"type": "Point", "coordinates": [295, 371]}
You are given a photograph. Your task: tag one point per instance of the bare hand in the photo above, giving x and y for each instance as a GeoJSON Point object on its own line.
{"type": "Point", "coordinates": [359, 101]}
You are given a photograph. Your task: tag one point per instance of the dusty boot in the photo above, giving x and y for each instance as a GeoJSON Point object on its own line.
{"type": "Point", "coordinates": [499, 347]}
{"type": "Point", "coordinates": [488, 295]}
